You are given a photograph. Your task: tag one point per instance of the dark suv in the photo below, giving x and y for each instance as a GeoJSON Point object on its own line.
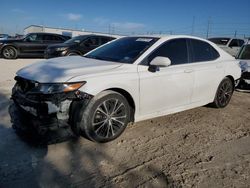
{"type": "Point", "coordinates": [76, 46]}
{"type": "Point", "coordinates": [32, 45]}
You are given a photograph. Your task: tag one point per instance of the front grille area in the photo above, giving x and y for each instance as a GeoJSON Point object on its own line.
{"type": "Point", "coordinates": [24, 85]}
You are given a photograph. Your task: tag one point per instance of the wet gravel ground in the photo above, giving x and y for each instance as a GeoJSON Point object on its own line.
{"type": "Point", "coordinates": [202, 147]}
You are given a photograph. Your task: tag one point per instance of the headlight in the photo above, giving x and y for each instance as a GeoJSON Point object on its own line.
{"type": "Point", "coordinates": [61, 49]}
{"type": "Point", "coordinates": [57, 88]}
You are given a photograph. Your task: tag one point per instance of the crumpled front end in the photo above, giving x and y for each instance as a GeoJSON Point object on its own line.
{"type": "Point", "coordinates": [43, 112]}
{"type": "Point", "coordinates": [244, 83]}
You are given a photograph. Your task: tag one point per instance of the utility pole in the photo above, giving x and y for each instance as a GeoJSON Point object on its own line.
{"type": "Point", "coordinates": [235, 33]}
{"type": "Point", "coordinates": [208, 26]}
{"type": "Point", "coordinates": [193, 24]}
{"type": "Point", "coordinates": [113, 29]}
{"type": "Point", "coordinates": [109, 28]}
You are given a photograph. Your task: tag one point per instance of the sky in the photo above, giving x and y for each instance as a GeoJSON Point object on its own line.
{"type": "Point", "coordinates": [197, 17]}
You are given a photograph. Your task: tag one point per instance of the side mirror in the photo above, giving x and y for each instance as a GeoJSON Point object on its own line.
{"type": "Point", "coordinates": [157, 62]}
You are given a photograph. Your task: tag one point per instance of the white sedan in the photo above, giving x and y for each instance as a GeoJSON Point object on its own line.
{"type": "Point", "coordinates": [127, 80]}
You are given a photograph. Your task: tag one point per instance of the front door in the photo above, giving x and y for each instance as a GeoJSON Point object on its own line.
{"type": "Point", "coordinates": [169, 87]}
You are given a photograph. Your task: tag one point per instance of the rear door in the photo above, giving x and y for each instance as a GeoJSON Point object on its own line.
{"type": "Point", "coordinates": [50, 39]}
{"type": "Point", "coordinates": [208, 71]}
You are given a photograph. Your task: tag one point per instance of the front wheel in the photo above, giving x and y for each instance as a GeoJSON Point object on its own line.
{"type": "Point", "coordinates": [105, 117]}
{"type": "Point", "coordinates": [224, 93]}
{"type": "Point", "coordinates": [9, 52]}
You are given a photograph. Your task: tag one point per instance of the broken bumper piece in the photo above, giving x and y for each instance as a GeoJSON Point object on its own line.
{"type": "Point", "coordinates": [44, 112]}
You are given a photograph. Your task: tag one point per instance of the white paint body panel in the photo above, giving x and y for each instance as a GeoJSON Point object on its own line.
{"type": "Point", "coordinates": [172, 89]}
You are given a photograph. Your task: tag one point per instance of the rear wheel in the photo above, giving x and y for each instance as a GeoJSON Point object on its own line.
{"type": "Point", "coordinates": [72, 54]}
{"type": "Point", "coordinates": [9, 52]}
{"type": "Point", "coordinates": [105, 117]}
{"type": "Point", "coordinates": [224, 93]}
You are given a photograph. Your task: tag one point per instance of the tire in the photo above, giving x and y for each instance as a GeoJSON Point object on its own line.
{"type": "Point", "coordinates": [224, 93]}
{"type": "Point", "coordinates": [9, 52]}
{"type": "Point", "coordinates": [104, 118]}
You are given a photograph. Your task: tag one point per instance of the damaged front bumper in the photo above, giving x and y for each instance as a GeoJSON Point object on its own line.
{"type": "Point", "coordinates": [45, 112]}
{"type": "Point", "coordinates": [244, 82]}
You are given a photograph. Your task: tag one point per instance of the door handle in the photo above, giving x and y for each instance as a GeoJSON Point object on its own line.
{"type": "Point", "coordinates": [188, 71]}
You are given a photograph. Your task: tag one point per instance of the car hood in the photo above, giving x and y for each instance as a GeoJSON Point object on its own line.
{"type": "Point", "coordinates": [63, 69]}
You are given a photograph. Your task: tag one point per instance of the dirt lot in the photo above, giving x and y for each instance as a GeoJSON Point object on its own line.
{"type": "Point", "coordinates": [203, 147]}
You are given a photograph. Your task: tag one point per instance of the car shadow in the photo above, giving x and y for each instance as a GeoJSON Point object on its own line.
{"type": "Point", "coordinates": [28, 161]}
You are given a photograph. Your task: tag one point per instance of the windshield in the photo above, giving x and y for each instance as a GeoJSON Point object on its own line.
{"type": "Point", "coordinates": [124, 50]}
{"type": "Point", "coordinates": [244, 52]}
{"type": "Point", "coordinates": [77, 39]}
{"type": "Point", "coordinates": [220, 41]}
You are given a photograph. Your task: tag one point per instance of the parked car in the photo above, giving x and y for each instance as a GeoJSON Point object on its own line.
{"type": "Point", "coordinates": [127, 80]}
{"type": "Point", "coordinates": [33, 45]}
{"type": "Point", "coordinates": [230, 45]}
{"type": "Point", "coordinates": [79, 45]}
{"type": "Point", "coordinates": [244, 57]}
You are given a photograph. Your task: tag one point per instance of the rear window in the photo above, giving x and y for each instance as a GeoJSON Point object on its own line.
{"type": "Point", "coordinates": [202, 51]}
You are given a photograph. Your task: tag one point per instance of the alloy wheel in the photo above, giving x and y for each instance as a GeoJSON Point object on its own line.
{"type": "Point", "coordinates": [9, 52]}
{"type": "Point", "coordinates": [225, 93]}
{"type": "Point", "coordinates": [109, 118]}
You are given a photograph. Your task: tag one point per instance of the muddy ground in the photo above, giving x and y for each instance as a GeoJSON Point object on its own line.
{"type": "Point", "coordinates": [203, 147]}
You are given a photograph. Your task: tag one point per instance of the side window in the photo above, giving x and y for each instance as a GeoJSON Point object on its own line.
{"type": "Point", "coordinates": [58, 38]}
{"type": "Point", "coordinates": [105, 40]}
{"type": "Point", "coordinates": [92, 42]}
{"type": "Point", "coordinates": [33, 38]}
{"type": "Point", "coordinates": [202, 51]}
{"type": "Point", "coordinates": [234, 43]}
{"type": "Point", "coordinates": [175, 50]}
{"type": "Point", "coordinates": [47, 37]}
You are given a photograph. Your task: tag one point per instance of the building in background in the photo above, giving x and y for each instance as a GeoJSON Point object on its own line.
{"type": "Point", "coordinates": [61, 31]}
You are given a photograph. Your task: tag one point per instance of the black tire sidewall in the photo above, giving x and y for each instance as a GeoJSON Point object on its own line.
{"type": "Point", "coordinates": [217, 102]}
{"type": "Point", "coordinates": [86, 127]}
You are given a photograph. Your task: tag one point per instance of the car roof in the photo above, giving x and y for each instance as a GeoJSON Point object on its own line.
{"type": "Point", "coordinates": [167, 37]}
{"type": "Point", "coordinates": [94, 35]}
{"type": "Point", "coordinates": [98, 35]}
{"type": "Point", "coordinates": [45, 33]}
